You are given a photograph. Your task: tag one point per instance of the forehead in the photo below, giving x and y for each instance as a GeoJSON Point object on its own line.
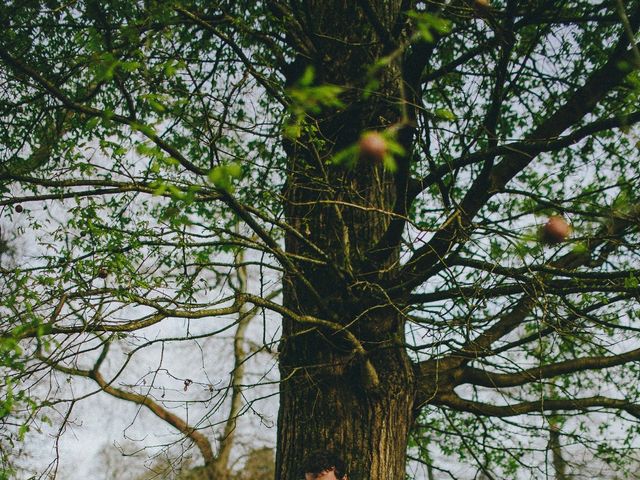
{"type": "Point", "coordinates": [324, 475]}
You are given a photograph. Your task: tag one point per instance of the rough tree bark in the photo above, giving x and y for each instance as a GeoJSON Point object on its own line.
{"type": "Point", "coordinates": [345, 386]}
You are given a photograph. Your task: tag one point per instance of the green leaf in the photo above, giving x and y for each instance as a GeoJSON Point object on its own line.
{"type": "Point", "coordinates": [445, 114]}
{"type": "Point", "coordinates": [223, 176]}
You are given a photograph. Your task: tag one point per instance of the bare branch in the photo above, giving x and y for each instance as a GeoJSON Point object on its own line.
{"type": "Point", "coordinates": [188, 431]}
{"type": "Point", "coordinates": [452, 400]}
{"type": "Point", "coordinates": [484, 378]}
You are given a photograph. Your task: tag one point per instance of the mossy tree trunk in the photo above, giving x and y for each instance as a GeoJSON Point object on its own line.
{"type": "Point", "coordinates": [345, 385]}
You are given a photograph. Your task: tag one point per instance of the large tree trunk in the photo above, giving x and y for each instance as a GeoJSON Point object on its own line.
{"type": "Point", "coordinates": [349, 389]}
{"type": "Point", "coordinates": [336, 412]}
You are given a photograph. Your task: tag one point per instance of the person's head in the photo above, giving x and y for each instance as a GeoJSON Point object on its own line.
{"type": "Point", "coordinates": [324, 465]}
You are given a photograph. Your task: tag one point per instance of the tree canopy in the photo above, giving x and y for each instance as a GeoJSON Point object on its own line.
{"type": "Point", "coordinates": [416, 222]}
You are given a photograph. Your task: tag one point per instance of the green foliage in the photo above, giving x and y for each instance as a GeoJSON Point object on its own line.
{"type": "Point", "coordinates": [309, 99]}
{"type": "Point", "coordinates": [222, 177]}
{"type": "Point", "coordinates": [153, 156]}
{"type": "Point", "coordinates": [428, 24]}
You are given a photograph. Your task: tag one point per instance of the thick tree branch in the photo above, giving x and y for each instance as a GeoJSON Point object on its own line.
{"type": "Point", "coordinates": [413, 64]}
{"type": "Point", "coordinates": [452, 400]}
{"type": "Point", "coordinates": [297, 34]}
{"type": "Point", "coordinates": [383, 33]}
{"type": "Point", "coordinates": [531, 148]}
{"type": "Point", "coordinates": [520, 273]}
{"type": "Point", "coordinates": [533, 287]}
{"type": "Point", "coordinates": [51, 327]}
{"type": "Point", "coordinates": [483, 378]}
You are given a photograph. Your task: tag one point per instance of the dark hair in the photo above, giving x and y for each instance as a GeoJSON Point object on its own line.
{"type": "Point", "coordinates": [321, 460]}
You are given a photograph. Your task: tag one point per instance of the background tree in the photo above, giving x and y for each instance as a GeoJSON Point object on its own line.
{"type": "Point", "coordinates": [387, 163]}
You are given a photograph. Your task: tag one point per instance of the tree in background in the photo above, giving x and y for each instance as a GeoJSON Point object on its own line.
{"type": "Point", "coordinates": [128, 461]}
{"type": "Point", "coordinates": [400, 178]}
